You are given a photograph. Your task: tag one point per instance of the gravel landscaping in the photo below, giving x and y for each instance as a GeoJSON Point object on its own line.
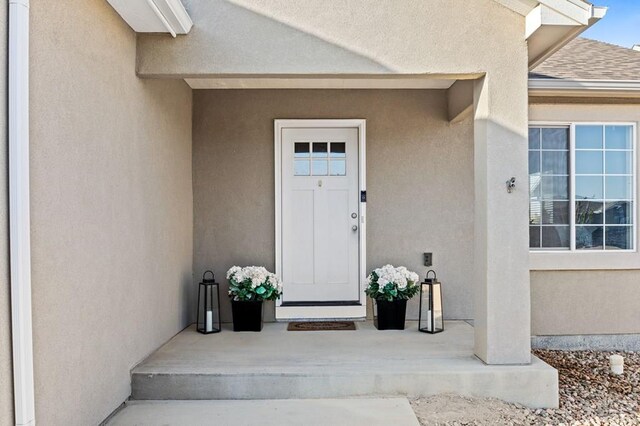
{"type": "Point", "coordinates": [589, 395]}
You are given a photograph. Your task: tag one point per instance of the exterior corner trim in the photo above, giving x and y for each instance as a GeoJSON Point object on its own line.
{"type": "Point", "coordinates": [19, 214]}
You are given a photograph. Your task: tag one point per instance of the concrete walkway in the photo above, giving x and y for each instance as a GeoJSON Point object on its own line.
{"type": "Point", "coordinates": [281, 412]}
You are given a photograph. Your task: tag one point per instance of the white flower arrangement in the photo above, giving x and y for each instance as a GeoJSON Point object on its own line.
{"type": "Point", "coordinates": [391, 283]}
{"type": "Point", "coordinates": [253, 283]}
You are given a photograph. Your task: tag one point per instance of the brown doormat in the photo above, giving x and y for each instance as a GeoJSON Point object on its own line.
{"type": "Point", "coordinates": [321, 326]}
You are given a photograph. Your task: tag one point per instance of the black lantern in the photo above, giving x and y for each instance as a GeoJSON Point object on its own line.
{"type": "Point", "coordinates": [208, 305]}
{"type": "Point", "coordinates": [431, 318]}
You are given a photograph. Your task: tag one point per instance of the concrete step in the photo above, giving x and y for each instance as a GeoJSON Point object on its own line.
{"type": "Point", "coordinates": [277, 364]}
{"type": "Point", "coordinates": [310, 412]}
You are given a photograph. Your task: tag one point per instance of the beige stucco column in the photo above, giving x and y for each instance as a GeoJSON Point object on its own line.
{"type": "Point", "coordinates": [501, 282]}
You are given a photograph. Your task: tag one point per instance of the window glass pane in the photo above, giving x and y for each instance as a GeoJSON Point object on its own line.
{"type": "Point", "coordinates": [588, 137]}
{"type": "Point", "coordinates": [301, 149]}
{"type": "Point", "coordinates": [589, 187]}
{"type": "Point", "coordinates": [338, 168]}
{"type": "Point", "coordinates": [617, 187]}
{"type": "Point", "coordinates": [555, 138]}
{"type": "Point", "coordinates": [555, 236]}
{"type": "Point", "coordinates": [534, 138]}
{"type": "Point", "coordinates": [555, 212]}
{"type": "Point", "coordinates": [535, 212]}
{"type": "Point", "coordinates": [534, 187]}
{"type": "Point", "coordinates": [618, 162]}
{"type": "Point", "coordinates": [589, 237]}
{"type": "Point", "coordinates": [534, 236]}
{"type": "Point", "coordinates": [320, 150]}
{"type": "Point", "coordinates": [338, 150]}
{"type": "Point", "coordinates": [301, 167]}
{"type": "Point", "coordinates": [320, 167]}
{"type": "Point", "coordinates": [534, 162]}
{"type": "Point", "coordinates": [589, 212]}
{"type": "Point", "coordinates": [555, 162]}
{"type": "Point", "coordinates": [618, 137]}
{"type": "Point", "coordinates": [588, 162]}
{"type": "Point", "coordinates": [618, 237]}
{"type": "Point", "coordinates": [619, 213]}
{"type": "Point", "coordinates": [555, 187]}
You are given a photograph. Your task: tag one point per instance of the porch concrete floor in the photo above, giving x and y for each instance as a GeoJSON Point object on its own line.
{"type": "Point", "coordinates": [281, 364]}
{"type": "Point", "coordinates": [308, 412]}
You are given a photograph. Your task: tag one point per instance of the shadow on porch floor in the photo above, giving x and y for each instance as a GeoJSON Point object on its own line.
{"type": "Point", "coordinates": [280, 364]}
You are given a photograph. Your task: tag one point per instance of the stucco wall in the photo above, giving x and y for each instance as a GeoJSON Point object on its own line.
{"type": "Point", "coordinates": [112, 217]}
{"type": "Point", "coordinates": [419, 180]}
{"type": "Point", "coordinates": [585, 302]}
{"type": "Point", "coordinates": [6, 383]}
{"type": "Point", "coordinates": [239, 37]}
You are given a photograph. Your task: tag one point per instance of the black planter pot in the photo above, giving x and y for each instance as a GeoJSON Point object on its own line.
{"type": "Point", "coordinates": [247, 316]}
{"type": "Point", "coordinates": [391, 315]}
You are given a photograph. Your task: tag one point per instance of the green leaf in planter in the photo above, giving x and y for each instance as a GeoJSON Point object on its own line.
{"type": "Point", "coordinates": [261, 290]}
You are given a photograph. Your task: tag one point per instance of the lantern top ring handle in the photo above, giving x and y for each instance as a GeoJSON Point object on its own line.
{"type": "Point", "coordinates": [434, 274]}
{"type": "Point", "coordinates": [204, 277]}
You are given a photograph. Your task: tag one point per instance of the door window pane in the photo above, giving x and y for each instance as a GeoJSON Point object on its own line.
{"type": "Point", "coordinates": [320, 149]}
{"type": "Point", "coordinates": [301, 168]}
{"type": "Point", "coordinates": [588, 162]}
{"type": "Point", "coordinates": [589, 212]}
{"type": "Point", "coordinates": [618, 237]}
{"type": "Point", "coordinates": [589, 187]}
{"type": "Point", "coordinates": [301, 150]}
{"type": "Point", "coordinates": [618, 137]}
{"type": "Point", "coordinates": [338, 150]}
{"type": "Point", "coordinates": [338, 168]}
{"type": "Point", "coordinates": [320, 167]}
{"type": "Point", "coordinates": [588, 137]}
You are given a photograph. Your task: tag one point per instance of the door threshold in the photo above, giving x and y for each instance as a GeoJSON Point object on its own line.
{"type": "Point", "coordinates": [316, 312]}
{"type": "Point", "coordinates": [323, 303]}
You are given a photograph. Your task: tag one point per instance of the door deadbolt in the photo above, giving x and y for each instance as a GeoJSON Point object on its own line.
{"type": "Point", "coordinates": [354, 215]}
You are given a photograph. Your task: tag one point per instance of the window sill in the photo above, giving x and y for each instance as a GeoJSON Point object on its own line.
{"type": "Point", "coordinates": [579, 260]}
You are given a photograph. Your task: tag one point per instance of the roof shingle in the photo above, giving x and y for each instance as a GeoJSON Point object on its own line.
{"type": "Point", "coordinates": [585, 59]}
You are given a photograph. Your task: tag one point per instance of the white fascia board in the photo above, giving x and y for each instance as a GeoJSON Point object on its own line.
{"type": "Point", "coordinates": [584, 88]}
{"type": "Point", "coordinates": [154, 16]}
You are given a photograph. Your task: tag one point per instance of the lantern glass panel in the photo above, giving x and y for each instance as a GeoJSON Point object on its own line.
{"type": "Point", "coordinates": [438, 321]}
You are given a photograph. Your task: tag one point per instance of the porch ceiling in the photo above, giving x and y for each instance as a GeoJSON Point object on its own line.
{"type": "Point", "coordinates": [342, 82]}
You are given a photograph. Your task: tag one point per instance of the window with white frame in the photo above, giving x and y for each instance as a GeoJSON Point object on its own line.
{"type": "Point", "coordinates": [582, 187]}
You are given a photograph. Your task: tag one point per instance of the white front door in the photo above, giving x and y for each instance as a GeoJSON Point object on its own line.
{"type": "Point", "coordinates": [320, 215]}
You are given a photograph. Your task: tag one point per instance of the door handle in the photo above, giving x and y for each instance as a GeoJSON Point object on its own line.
{"type": "Point", "coordinates": [354, 228]}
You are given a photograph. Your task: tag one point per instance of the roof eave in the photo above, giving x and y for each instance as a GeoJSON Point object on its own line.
{"type": "Point", "coordinates": [551, 24]}
{"type": "Point", "coordinates": [544, 87]}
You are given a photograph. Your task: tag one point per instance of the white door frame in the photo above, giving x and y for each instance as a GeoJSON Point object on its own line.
{"type": "Point", "coordinates": [323, 312]}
